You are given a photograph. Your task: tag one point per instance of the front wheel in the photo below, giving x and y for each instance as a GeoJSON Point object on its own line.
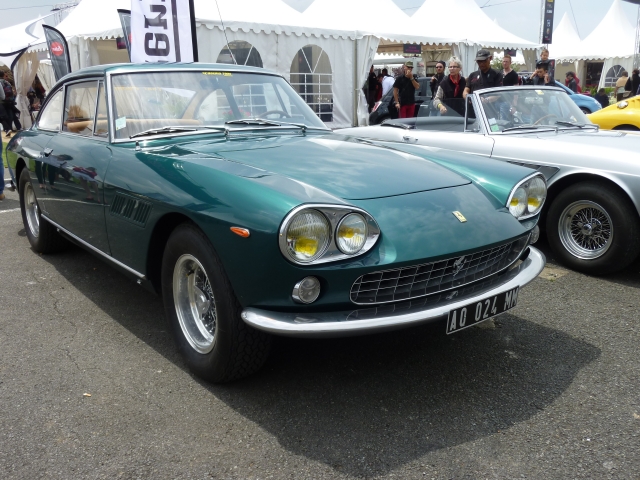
{"type": "Point", "coordinates": [204, 313]}
{"type": "Point", "coordinates": [593, 228]}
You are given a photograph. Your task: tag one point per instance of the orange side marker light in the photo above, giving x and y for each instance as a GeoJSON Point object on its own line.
{"type": "Point", "coordinates": [243, 232]}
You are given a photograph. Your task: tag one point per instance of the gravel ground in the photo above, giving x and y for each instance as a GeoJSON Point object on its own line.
{"type": "Point", "coordinates": [91, 386]}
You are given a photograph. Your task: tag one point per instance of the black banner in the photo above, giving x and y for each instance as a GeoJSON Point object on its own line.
{"type": "Point", "coordinates": [125, 20]}
{"type": "Point", "coordinates": [58, 52]}
{"type": "Point", "coordinates": [547, 21]}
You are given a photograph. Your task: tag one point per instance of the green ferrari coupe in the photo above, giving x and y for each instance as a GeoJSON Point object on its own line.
{"type": "Point", "coordinates": [218, 187]}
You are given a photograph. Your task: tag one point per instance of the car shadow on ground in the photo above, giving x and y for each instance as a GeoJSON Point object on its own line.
{"type": "Point", "coordinates": [368, 405]}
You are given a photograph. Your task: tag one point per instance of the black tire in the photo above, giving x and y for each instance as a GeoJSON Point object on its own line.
{"type": "Point", "coordinates": [593, 228]}
{"type": "Point", "coordinates": [628, 128]}
{"type": "Point", "coordinates": [43, 237]}
{"type": "Point", "coordinates": [586, 111]}
{"type": "Point", "coordinates": [235, 349]}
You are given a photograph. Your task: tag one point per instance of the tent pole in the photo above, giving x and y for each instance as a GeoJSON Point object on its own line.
{"type": "Point", "coordinates": [356, 96]}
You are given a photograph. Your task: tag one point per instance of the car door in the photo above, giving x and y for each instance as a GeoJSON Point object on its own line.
{"type": "Point", "coordinates": [80, 155]}
{"type": "Point", "coordinates": [34, 143]}
{"type": "Point", "coordinates": [467, 137]}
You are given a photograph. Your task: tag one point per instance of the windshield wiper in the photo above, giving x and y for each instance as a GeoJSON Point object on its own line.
{"type": "Point", "coordinates": [176, 129]}
{"type": "Point", "coordinates": [261, 122]}
{"type": "Point", "coordinates": [404, 126]}
{"type": "Point", "coordinates": [529, 127]}
{"type": "Point", "coordinates": [579, 125]}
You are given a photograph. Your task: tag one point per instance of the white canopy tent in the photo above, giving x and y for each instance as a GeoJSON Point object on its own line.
{"type": "Point", "coordinates": [15, 39]}
{"type": "Point", "coordinates": [328, 66]}
{"type": "Point", "coordinates": [474, 26]}
{"type": "Point", "coordinates": [612, 41]}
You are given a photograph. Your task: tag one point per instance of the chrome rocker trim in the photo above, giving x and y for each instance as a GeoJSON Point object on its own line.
{"type": "Point", "coordinates": [336, 324]}
{"type": "Point", "coordinates": [93, 249]}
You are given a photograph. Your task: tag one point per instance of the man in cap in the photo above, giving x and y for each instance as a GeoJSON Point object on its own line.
{"type": "Point", "coordinates": [485, 76]}
{"type": "Point", "coordinates": [404, 92]}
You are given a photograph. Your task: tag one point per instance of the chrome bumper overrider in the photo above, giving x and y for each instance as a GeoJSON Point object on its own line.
{"type": "Point", "coordinates": [400, 315]}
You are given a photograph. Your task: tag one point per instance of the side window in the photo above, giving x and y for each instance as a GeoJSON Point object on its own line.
{"type": "Point", "coordinates": [79, 108]}
{"type": "Point", "coordinates": [101, 124]}
{"type": "Point", "coordinates": [50, 116]}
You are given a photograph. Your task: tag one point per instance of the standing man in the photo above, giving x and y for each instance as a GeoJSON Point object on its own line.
{"type": "Point", "coordinates": [485, 76]}
{"type": "Point", "coordinates": [404, 92]}
{"type": "Point", "coordinates": [437, 78]}
{"type": "Point", "coordinates": [7, 103]}
{"type": "Point", "coordinates": [372, 83]}
{"type": "Point", "coordinates": [509, 76]}
{"type": "Point", "coordinates": [571, 82]}
{"type": "Point", "coordinates": [387, 81]}
{"type": "Point", "coordinates": [541, 75]}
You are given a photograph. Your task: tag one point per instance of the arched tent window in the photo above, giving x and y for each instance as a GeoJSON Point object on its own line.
{"type": "Point", "coordinates": [612, 75]}
{"type": "Point", "coordinates": [311, 77]}
{"type": "Point", "coordinates": [243, 52]}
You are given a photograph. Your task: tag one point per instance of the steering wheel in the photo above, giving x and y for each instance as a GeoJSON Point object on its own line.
{"type": "Point", "coordinates": [537, 122]}
{"type": "Point", "coordinates": [282, 114]}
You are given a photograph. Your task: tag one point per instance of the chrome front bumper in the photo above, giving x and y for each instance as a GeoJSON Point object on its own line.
{"type": "Point", "coordinates": [388, 317]}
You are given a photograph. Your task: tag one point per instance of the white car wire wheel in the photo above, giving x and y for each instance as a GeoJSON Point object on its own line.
{"type": "Point", "coordinates": [203, 312]}
{"type": "Point", "coordinates": [592, 227]}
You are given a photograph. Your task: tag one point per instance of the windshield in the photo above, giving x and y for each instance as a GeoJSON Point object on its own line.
{"type": "Point", "coordinates": [144, 101]}
{"type": "Point", "coordinates": [523, 108]}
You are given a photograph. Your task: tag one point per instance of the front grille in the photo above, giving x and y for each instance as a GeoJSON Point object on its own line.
{"type": "Point", "coordinates": [427, 279]}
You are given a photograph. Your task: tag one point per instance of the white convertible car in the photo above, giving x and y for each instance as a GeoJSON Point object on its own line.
{"type": "Point", "coordinates": [591, 216]}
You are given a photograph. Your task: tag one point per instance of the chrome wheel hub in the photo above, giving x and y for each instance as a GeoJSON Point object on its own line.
{"type": "Point", "coordinates": [195, 303]}
{"type": "Point", "coordinates": [586, 230]}
{"type": "Point", "coordinates": [31, 210]}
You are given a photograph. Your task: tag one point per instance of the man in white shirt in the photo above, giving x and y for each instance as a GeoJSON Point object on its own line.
{"type": "Point", "coordinates": [387, 82]}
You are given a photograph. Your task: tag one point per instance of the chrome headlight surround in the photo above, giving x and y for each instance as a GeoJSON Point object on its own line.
{"type": "Point", "coordinates": [526, 186]}
{"type": "Point", "coordinates": [334, 215]}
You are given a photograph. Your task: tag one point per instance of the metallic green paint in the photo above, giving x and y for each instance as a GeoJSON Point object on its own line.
{"type": "Point", "coordinates": [253, 181]}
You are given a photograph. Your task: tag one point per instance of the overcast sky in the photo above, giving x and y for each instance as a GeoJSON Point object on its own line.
{"type": "Point", "coordinates": [522, 17]}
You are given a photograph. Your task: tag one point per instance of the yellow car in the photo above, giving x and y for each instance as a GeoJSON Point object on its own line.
{"type": "Point", "coordinates": [624, 115]}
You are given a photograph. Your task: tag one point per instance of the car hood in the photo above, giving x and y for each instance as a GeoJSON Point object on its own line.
{"type": "Point", "coordinates": [579, 148]}
{"type": "Point", "coordinates": [345, 167]}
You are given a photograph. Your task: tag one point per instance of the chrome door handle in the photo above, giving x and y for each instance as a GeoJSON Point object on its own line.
{"type": "Point", "coordinates": [47, 151]}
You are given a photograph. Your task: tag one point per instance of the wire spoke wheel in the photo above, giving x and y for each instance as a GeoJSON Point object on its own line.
{"type": "Point", "coordinates": [195, 304]}
{"type": "Point", "coordinates": [586, 229]}
{"type": "Point", "coordinates": [31, 210]}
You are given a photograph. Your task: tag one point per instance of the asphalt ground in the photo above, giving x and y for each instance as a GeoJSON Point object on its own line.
{"type": "Point", "coordinates": [91, 386]}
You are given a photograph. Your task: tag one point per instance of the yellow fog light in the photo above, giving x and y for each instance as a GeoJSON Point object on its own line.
{"type": "Point", "coordinates": [308, 235]}
{"type": "Point", "coordinates": [518, 203]}
{"type": "Point", "coordinates": [351, 234]}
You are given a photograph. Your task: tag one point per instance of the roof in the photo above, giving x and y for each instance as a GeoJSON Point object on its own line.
{"type": "Point", "coordinates": [565, 38]}
{"type": "Point", "coordinates": [116, 68]}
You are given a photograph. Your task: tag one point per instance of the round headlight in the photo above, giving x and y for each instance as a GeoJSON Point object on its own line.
{"type": "Point", "coordinates": [518, 205]}
{"type": "Point", "coordinates": [537, 194]}
{"type": "Point", "coordinates": [351, 234]}
{"type": "Point", "coordinates": [308, 235]}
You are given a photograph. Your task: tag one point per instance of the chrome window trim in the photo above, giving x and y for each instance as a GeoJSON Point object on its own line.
{"type": "Point", "coordinates": [95, 106]}
{"type": "Point", "coordinates": [46, 103]}
{"type": "Point", "coordinates": [525, 180]}
{"type": "Point", "coordinates": [94, 249]}
{"type": "Point", "coordinates": [330, 211]}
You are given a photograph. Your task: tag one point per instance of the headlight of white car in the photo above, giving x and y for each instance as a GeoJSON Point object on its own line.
{"type": "Point", "coordinates": [528, 197]}
{"type": "Point", "coordinates": [313, 234]}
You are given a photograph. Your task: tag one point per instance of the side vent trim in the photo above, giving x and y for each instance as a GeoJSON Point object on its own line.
{"type": "Point", "coordinates": [130, 208]}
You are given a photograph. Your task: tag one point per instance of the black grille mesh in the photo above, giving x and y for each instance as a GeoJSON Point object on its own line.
{"type": "Point", "coordinates": [422, 280]}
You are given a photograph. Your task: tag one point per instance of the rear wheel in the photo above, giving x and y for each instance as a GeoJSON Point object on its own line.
{"type": "Point", "coordinates": [204, 313]}
{"type": "Point", "coordinates": [585, 110]}
{"type": "Point", "coordinates": [629, 128]}
{"type": "Point", "coordinates": [42, 236]}
{"type": "Point", "coordinates": [593, 228]}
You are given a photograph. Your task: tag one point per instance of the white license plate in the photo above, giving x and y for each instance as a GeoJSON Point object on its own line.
{"type": "Point", "coordinates": [477, 312]}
